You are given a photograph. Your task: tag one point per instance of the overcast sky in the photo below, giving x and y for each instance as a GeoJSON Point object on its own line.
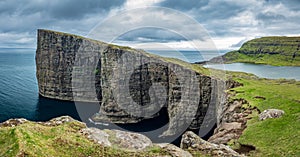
{"type": "Point", "coordinates": [228, 22]}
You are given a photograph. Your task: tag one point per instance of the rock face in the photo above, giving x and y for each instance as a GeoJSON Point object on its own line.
{"type": "Point", "coordinates": [272, 45]}
{"type": "Point", "coordinates": [193, 142]}
{"type": "Point", "coordinates": [131, 85]}
{"type": "Point", "coordinates": [270, 113]}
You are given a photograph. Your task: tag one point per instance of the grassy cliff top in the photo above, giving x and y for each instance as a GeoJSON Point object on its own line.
{"type": "Point", "coordinates": [272, 45]}
{"type": "Point", "coordinates": [278, 51]}
{"type": "Point", "coordinates": [272, 137]}
{"type": "Point", "coordinates": [25, 138]}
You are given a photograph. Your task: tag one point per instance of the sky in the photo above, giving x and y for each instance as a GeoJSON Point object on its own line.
{"type": "Point", "coordinates": [227, 23]}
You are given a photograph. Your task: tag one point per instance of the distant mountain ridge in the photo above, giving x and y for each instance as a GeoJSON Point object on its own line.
{"type": "Point", "coordinates": [272, 50]}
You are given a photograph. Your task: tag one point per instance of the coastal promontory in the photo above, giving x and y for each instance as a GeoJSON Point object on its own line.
{"type": "Point", "coordinates": [277, 50]}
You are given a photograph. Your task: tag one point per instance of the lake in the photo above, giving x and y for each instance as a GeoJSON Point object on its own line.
{"type": "Point", "coordinates": [264, 71]}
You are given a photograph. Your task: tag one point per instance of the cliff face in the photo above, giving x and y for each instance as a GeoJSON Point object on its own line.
{"type": "Point", "coordinates": [287, 46]}
{"type": "Point", "coordinates": [265, 50]}
{"type": "Point", "coordinates": [130, 84]}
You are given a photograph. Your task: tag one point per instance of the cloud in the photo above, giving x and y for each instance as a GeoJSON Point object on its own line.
{"type": "Point", "coordinates": [24, 17]}
{"type": "Point", "coordinates": [152, 20]}
{"type": "Point", "coordinates": [241, 18]}
{"type": "Point", "coordinates": [16, 40]}
{"type": "Point", "coordinates": [150, 35]}
{"type": "Point", "coordinates": [227, 22]}
{"type": "Point", "coordinates": [183, 5]}
{"type": "Point", "coordinates": [239, 44]}
{"type": "Point", "coordinates": [57, 9]}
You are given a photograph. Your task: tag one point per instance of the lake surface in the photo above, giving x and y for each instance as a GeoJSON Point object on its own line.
{"type": "Point", "coordinates": [264, 71]}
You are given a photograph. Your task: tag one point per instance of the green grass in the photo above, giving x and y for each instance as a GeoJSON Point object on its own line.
{"type": "Point", "coordinates": [272, 137]}
{"type": "Point", "coordinates": [35, 140]}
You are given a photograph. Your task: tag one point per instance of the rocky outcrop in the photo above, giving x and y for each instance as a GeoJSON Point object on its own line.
{"type": "Point", "coordinates": [64, 136]}
{"type": "Point", "coordinates": [192, 142]}
{"type": "Point", "coordinates": [119, 139]}
{"type": "Point", "coordinates": [174, 150]}
{"type": "Point", "coordinates": [233, 121]}
{"type": "Point", "coordinates": [131, 85]}
{"type": "Point", "coordinates": [271, 113]}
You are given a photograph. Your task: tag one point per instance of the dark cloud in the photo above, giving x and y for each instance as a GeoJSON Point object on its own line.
{"type": "Point", "coordinates": [28, 15]}
{"type": "Point", "coordinates": [205, 10]}
{"type": "Point", "coordinates": [184, 5]}
{"type": "Point", "coordinates": [58, 9]}
{"type": "Point", "coordinates": [19, 19]}
{"type": "Point", "coordinates": [291, 4]}
{"type": "Point", "coordinates": [151, 35]}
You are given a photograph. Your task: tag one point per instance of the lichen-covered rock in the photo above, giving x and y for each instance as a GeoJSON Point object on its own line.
{"type": "Point", "coordinates": [124, 80]}
{"type": "Point", "coordinates": [190, 141]}
{"type": "Point", "coordinates": [61, 120]}
{"type": "Point", "coordinates": [174, 150]}
{"type": "Point", "coordinates": [13, 122]}
{"type": "Point", "coordinates": [97, 135]}
{"type": "Point", "coordinates": [271, 113]}
{"type": "Point", "coordinates": [119, 139]}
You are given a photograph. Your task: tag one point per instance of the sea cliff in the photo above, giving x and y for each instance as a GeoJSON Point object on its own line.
{"type": "Point", "coordinates": [75, 68]}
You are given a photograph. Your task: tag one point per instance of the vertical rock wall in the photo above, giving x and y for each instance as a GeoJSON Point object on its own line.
{"type": "Point", "coordinates": [131, 85]}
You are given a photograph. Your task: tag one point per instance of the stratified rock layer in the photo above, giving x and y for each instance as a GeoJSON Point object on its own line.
{"type": "Point", "coordinates": [130, 84]}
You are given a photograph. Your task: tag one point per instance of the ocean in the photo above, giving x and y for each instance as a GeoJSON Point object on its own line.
{"type": "Point", "coordinates": [19, 96]}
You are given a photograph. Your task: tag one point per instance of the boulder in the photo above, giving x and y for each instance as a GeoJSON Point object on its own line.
{"type": "Point", "coordinates": [191, 141]}
{"type": "Point", "coordinates": [270, 113]}
{"type": "Point", "coordinates": [97, 135]}
{"type": "Point", "coordinates": [119, 139]}
{"type": "Point", "coordinates": [13, 122]}
{"type": "Point", "coordinates": [174, 150]}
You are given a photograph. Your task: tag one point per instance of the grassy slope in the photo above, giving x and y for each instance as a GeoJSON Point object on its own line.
{"type": "Point", "coordinates": [32, 139]}
{"type": "Point", "coordinates": [268, 50]}
{"type": "Point", "coordinates": [273, 137]}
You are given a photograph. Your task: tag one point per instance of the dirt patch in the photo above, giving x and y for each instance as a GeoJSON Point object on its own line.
{"type": "Point", "coordinates": [245, 149]}
{"type": "Point", "coordinates": [260, 97]}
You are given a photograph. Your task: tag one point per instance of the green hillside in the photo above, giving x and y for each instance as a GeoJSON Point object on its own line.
{"type": "Point", "coordinates": [276, 51]}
